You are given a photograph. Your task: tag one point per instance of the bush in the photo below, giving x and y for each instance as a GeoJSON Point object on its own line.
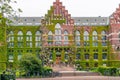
{"type": "Point", "coordinates": [30, 64]}
{"type": "Point", "coordinates": [47, 71]}
{"type": "Point", "coordinates": [108, 71]}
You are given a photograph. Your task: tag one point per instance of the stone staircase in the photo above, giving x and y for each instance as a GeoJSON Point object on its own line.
{"type": "Point", "coordinates": [60, 71]}
{"type": "Point", "coordinates": [58, 68]}
{"type": "Point", "coordinates": [78, 73]}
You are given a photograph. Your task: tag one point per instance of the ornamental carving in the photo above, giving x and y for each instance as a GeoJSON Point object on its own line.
{"type": "Point", "coordinates": [115, 18]}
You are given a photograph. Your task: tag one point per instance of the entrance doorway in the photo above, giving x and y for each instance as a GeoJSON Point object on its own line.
{"type": "Point", "coordinates": [58, 59]}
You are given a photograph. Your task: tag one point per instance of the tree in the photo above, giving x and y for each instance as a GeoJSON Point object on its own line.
{"type": "Point", "coordinates": [7, 11]}
{"type": "Point", "coordinates": [30, 63]}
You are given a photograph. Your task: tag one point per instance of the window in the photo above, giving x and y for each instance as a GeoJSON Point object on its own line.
{"type": "Point", "coordinates": [10, 44]}
{"type": "Point", "coordinates": [50, 56]}
{"type": "Point", "coordinates": [11, 36]}
{"type": "Point", "coordinates": [29, 36]}
{"type": "Point", "coordinates": [94, 36]}
{"type": "Point", "coordinates": [86, 56]}
{"type": "Point", "coordinates": [29, 51]}
{"type": "Point", "coordinates": [29, 39]}
{"type": "Point", "coordinates": [103, 35]}
{"type": "Point", "coordinates": [86, 43]}
{"type": "Point", "coordinates": [104, 56]}
{"type": "Point", "coordinates": [38, 36]}
{"type": "Point", "coordinates": [20, 44]}
{"type": "Point", "coordinates": [38, 39]}
{"type": "Point", "coordinates": [10, 57]}
{"type": "Point", "coordinates": [95, 44]}
{"type": "Point", "coordinates": [86, 36]}
{"type": "Point", "coordinates": [20, 39]}
{"type": "Point", "coordinates": [77, 56]}
{"type": "Point", "coordinates": [66, 37]}
{"type": "Point", "coordinates": [29, 44]}
{"type": "Point", "coordinates": [19, 54]}
{"type": "Point", "coordinates": [104, 38]}
{"type": "Point", "coordinates": [95, 56]}
{"type": "Point", "coordinates": [50, 38]}
{"type": "Point", "coordinates": [20, 36]}
{"type": "Point", "coordinates": [66, 56]}
{"type": "Point", "coordinates": [77, 38]}
{"type": "Point", "coordinates": [58, 34]}
{"type": "Point", "coordinates": [104, 43]}
{"type": "Point", "coordinates": [96, 65]}
{"type": "Point", "coordinates": [87, 64]}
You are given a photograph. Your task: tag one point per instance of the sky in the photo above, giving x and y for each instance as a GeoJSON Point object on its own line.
{"type": "Point", "coordinates": [77, 8]}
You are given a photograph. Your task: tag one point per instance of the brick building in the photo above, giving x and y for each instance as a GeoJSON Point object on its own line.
{"type": "Point", "coordinates": [87, 41]}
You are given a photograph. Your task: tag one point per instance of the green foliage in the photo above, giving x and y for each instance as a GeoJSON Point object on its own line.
{"type": "Point", "coordinates": [47, 71]}
{"type": "Point", "coordinates": [108, 71]}
{"type": "Point", "coordinates": [30, 63]}
{"type": "Point", "coordinates": [6, 9]}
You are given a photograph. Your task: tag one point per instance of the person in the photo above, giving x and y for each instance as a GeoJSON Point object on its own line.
{"type": "Point", "coordinates": [3, 76]}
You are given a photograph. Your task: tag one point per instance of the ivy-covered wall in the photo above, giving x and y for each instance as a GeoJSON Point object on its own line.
{"type": "Point", "coordinates": [2, 45]}
{"type": "Point", "coordinates": [74, 50]}
{"type": "Point", "coordinates": [82, 50]}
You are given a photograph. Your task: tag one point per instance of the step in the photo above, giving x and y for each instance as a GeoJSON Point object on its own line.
{"type": "Point", "coordinates": [77, 73]}
{"type": "Point", "coordinates": [62, 68]}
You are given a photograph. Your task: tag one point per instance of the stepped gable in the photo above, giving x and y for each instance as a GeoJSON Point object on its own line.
{"type": "Point", "coordinates": [58, 13]}
{"type": "Point", "coordinates": [115, 18]}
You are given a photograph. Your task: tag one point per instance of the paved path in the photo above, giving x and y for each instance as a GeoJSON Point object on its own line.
{"type": "Point", "coordinates": [77, 78]}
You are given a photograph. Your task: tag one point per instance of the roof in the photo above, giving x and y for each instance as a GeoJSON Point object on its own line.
{"type": "Point", "coordinates": [79, 21]}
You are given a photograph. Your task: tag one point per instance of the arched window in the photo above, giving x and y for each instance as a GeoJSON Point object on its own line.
{"type": "Point", "coordinates": [77, 38]}
{"type": "Point", "coordinates": [29, 39]}
{"type": "Point", "coordinates": [86, 38]}
{"type": "Point", "coordinates": [103, 34]}
{"type": "Point", "coordinates": [57, 26]}
{"type": "Point", "coordinates": [66, 37]}
{"type": "Point", "coordinates": [38, 39]}
{"type": "Point", "coordinates": [11, 36]}
{"type": "Point", "coordinates": [11, 39]}
{"type": "Point", "coordinates": [20, 36]}
{"type": "Point", "coordinates": [29, 36]}
{"type": "Point", "coordinates": [58, 34]}
{"type": "Point", "coordinates": [95, 38]}
{"type": "Point", "coordinates": [50, 38]}
{"type": "Point", "coordinates": [104, 38]}
{"type": "Point", "coordinates": [38, 36]}
{"type": "Point", "coordinates": [20, 33]}
{"type": "Point", "coordinates": [20, 39]}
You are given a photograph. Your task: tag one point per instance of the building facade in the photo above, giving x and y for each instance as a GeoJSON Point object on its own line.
{"type": "Point", "coordinates": [87, 41]}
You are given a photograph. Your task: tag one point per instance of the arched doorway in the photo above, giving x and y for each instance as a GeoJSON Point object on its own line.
{"type": "Point", "coordinates": [58, 57]}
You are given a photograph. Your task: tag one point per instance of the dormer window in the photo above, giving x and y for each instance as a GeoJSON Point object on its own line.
{"type": "Point", "coordinates": [33, 19]}
{"type": "Point", "coordinates": [25, 20]}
